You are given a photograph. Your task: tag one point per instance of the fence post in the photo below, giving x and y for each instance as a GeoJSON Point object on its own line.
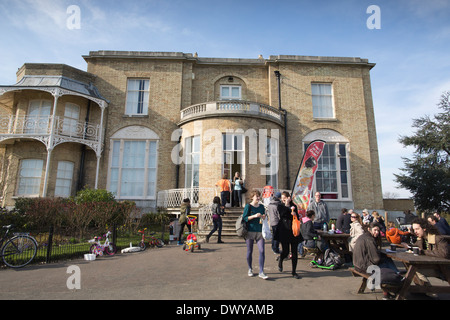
{"type": "Point", "coordinates": [50, 243]}
{"type": "Point", "coordinates": [114, 234]}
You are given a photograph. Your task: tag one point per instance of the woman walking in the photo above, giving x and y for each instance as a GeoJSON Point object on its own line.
{"type": "Point", "coordinates": [254, 212]}
{"type": "Point", "coordinates": [217, 212]}
{"type": "Point", "coordinates": [286, 237]}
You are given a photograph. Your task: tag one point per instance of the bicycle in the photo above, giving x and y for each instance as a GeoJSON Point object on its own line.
{"type": "Point", "coordinates": [191, 240]}
{"type": "Point", "coordinates": [18, 250]}
{"type": "Point", "coordinates": [152, 242]}
{"type": "Point", "coordinates": [107, 247]}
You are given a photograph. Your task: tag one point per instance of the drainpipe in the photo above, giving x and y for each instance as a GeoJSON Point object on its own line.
{"type": "Point", "coordinates": [286, 145]}
{"type": "Point", "coordinates": [83, 151]}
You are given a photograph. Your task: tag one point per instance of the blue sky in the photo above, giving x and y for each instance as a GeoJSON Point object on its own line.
{"type": "Point", "coordinates": [411, 50]}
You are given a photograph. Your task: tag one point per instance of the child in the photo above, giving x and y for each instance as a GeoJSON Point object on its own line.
{"type": "Point", "coordinates": [185, 209]}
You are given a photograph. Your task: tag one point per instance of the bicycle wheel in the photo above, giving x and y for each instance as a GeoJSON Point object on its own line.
{"type": "Point", "coordinates": [110, 249]}
{"type": "Point", "coordinates": [142, 245]}
{"type": "Point", "coordinates": [19, 251]}
{"type": "Point", "coordinates": [159, 243]}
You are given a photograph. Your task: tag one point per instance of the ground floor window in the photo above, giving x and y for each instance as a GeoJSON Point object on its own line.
{"type": "Point", "coordinates": [30, 173]}
{"type": "Point", "coordinates": [64, 177]}
{"type": "Point", "coordinates": [133, 169]}
{"type": "Point", "coordinates": [332, 175]}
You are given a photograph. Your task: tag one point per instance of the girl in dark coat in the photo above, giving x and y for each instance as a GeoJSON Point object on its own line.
{"type": "Point", "coordinates": [285, 235]}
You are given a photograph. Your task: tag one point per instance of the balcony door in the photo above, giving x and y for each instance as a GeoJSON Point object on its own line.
{"type": "Point", "coordinates": [38, 117]}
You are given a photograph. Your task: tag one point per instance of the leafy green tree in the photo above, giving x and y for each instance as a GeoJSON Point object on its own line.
{"type": "Point", "coordinates": [427, 174]}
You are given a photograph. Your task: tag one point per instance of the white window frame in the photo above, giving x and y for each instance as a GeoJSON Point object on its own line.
{"type": "Point", "coordinates": [272, 162]}
{"type": "Point", "coordinates": [38, 123]}
{"type": "Point", "coordinates": [147, 195]}
{"type": "Point", "coordinates": [319, 110]}
{"type": "Point", "coordinates": [228, 151]}
{"type": "Point", "coordinates": [132, 107]}
{"type": "Point", "coordinates": [230, 89]}
{"type": "Point", "coordinates": [29, 176]}
{"type": "Point", "coordinates": [193, 154]}
{"type": "Point", "coordinates": [70, 122]}
{"type": "Point", "coordinates": [64, 179]}
{"type": "Point", "coordinates": [338, 170]}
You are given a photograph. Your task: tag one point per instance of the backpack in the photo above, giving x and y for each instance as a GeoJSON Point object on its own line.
{"type": "Point", "coordinates": [332, 259]}
{"type": "Point", "coordinates": [241, 226]}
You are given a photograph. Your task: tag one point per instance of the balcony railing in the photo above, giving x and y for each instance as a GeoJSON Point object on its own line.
{"type": "Point", "coordinates": [29, 126]}
{"type": "Point", "coordinates": [232, 107]}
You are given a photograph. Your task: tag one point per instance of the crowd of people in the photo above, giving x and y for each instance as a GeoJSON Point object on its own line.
{"type": "Point", "coordinates": [365, 231]}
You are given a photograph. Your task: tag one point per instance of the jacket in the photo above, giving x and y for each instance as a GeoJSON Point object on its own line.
{"type": "Point", "coordinates": [434, 245]}
{"type": "Point", "coordinates": [185, 210]}
{"type": "Point", "coordinates": [321, 210]}
{"type": "Point", "coordinates": [284, 230]}
{"type": "Point", "coordinates": [307, 229]}
{"type": "Point", "coordinates": [272, 210]}
{"type": "Point", "coordinates": [365, 252]}
{"type": "Point", "coordinates": [393, 235]}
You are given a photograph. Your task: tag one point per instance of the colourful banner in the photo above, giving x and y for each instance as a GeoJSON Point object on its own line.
{"type": "Point", "coordinates": [301, 192]}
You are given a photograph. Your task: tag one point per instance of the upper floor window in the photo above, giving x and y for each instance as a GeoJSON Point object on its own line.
{"type": "Point", "coordinates": [38, 117]}
{"type": "Point", "coordinates": [137, 97]}
{"type": "Point", "coordinates": [229, 92]}
{"type": "Point", "coordinates": [322, 100]}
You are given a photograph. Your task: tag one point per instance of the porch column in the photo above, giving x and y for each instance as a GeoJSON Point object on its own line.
{"type": "Point", "coordinates": [100, 144]}
{"type": "Point", "coordinates": [51, 138]}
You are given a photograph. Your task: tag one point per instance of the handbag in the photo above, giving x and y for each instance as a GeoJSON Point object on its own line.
{"type": "Point", "coordinates": [267, 235]}
{"type": "Point", "coordinates": [243, 189]}
{"type": "Point", "coordinates": [295, 224]}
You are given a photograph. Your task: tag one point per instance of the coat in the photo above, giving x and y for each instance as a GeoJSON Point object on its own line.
{"type": "Point", "coordinates": [284, 230]}
{"type": "Point", "coordinates": [365, 252]}
{"type": "Point", "coordinates": [356, 231]}
{"type": "Point", "coordinates": [434, 245]}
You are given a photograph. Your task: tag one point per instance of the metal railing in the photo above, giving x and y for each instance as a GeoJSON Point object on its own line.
{"type": "Point", "coordinates": [173, 198]}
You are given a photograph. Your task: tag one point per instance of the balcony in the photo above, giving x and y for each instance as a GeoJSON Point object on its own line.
{"type": "Point", "coordinates": [40, 128]}
{"type": "Point", "coordinates": [230, 108]}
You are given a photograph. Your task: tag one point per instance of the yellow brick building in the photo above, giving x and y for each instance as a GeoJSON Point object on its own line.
{"type": "Point", "coordinates": [153, 125]}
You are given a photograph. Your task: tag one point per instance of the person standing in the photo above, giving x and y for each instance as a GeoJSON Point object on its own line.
{"type": "Point", "coordinates": [274, 218]}
{"type": "Point", "coordinates": [356, 230]}
{"type": "Point", "coordinates": [185, 210]}
{"type": "Point", "coordinates": [225, 188]}
{"type": "Point", "coordinates": [321, 210]}
{"type": "Point", "coordinates": [217, 213]}
{"type": "Point", "coordinates": [238, 182]}
{"type": "Point", "coordinates": [285, 235]}
{"type": "Point", "coordinates": [253, 213]}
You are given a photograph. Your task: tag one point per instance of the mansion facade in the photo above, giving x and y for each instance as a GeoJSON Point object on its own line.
{"type": "Point", "coordinates": [145, 124]}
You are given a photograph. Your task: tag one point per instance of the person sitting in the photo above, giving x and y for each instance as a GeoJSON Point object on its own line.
{"type": "Point", "coordinates": [307, 229]}
{"type": "Point", "coordinates": [380, 220]}
{"type": "Point", "coordinates": [356, 230]}
{"type": "Point", "coordinates": [395, 235]}
{"type": "Point", "coordinates": [366, 254]}
{"type": "Point", "coordinates": [442, 224]}
{"type": "Point", "coordinates": [430, 243]}
{"type": "Point", "coordinates": [344, 220]}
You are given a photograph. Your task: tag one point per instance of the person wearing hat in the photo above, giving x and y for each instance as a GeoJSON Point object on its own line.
{"type": "Point", "coordinates": [274, 218]}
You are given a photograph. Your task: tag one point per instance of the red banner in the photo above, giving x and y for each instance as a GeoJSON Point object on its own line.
{"type": "Point", "coordinates": [301, 192]}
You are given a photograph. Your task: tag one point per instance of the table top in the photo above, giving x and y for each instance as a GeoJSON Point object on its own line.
{"type": "Point", "coordinates": [325, 234]}
{"type": "Point", "coordinates": [410, 258]}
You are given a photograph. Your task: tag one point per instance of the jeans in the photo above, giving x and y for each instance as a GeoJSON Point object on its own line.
{"type": "Point", "coordinates": [217, 225]}
{"type": "Point", "coordinates": [275, 243]}
{"type": "Point", "coordinates": [237, 198]}
{"type": "Point", "coordinates": [224, 195]}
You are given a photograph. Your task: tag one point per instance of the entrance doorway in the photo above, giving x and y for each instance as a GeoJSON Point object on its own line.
{"type": "Point", "coordinates": [233, 157]}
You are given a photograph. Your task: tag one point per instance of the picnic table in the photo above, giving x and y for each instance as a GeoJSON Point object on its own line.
{"type": "Point", "coordinates": [337, 241]}
{"type": "Point", "coordinates": [416, 263]}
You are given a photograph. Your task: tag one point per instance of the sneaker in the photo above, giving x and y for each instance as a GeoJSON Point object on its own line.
{"type": "Point", "coordinates": [263, 276]}
{"type": "Point", "coordinates": [250, 273]}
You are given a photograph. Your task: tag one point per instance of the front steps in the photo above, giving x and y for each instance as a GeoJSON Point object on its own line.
{"type": "Point", "coordinates": [228, 225]}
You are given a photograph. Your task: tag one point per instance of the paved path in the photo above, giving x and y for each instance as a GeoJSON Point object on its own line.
{"type": "Point", "coordinates": [216, 272]}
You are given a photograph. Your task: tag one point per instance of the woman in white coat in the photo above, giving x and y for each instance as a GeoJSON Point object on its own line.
{"type": "Point", "coordinates": [356, 229]}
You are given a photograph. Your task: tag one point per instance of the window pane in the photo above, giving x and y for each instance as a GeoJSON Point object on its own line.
{"type": "Point", "coordinates": [30, 173]}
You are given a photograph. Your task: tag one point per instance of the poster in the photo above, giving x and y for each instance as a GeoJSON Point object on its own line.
{"type": "Point", "coordinates": [301, 192]}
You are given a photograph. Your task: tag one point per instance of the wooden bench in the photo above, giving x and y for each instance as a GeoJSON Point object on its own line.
{"type": "Point", "coordinates": [364, 275]}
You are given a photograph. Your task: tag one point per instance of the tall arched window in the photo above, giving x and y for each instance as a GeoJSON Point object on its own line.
{"type": "Point", "coordinates": [333, 178]}
{"type": "Point", "coordinates": [133, 163]}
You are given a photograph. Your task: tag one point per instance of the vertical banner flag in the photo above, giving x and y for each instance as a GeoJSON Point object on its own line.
{"type": "Point", "coordinates": [301, 192]}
